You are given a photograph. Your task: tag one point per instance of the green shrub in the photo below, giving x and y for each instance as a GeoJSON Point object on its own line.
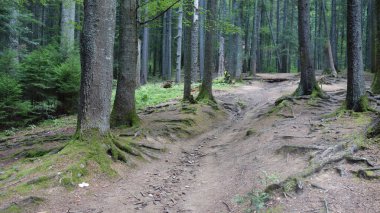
{"type": "Point", "coordinates": [7, 62]}
{"type": "Point", "coordinates": [68, 84]}
{"type": "Point", "coordinates": [13, 111]}
{"type": "Point", "coordinates": [37, 73]}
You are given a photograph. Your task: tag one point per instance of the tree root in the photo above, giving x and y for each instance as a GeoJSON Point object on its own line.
{"type": "Point", "coordinates": [295, 149]}
{"type": "Point", "coordinates": [319, 161]}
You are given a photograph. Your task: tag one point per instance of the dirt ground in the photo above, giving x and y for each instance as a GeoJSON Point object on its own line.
{"type": "Point", "coordinates": [228, 168]}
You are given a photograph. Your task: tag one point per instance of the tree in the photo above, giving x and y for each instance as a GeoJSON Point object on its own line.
{"type": "Point", "coordinates": [308, 82]}
{"type": "Point", "coordinates": [355, 79]}
{"type": "Point", "coordinates": [67, 26]}
{"type": "Point", "coordinates": [124, 108]}
{"type": "Point", "coordinates": [145, 55]}
{"type": "Point", "coordinates": [167, 46]}
{"type": "Point", "coordinates": [179, 46]}
{"type": "Point", "coordinates": [255, 37]}
{"type": "Point", "coordinates": [205, 92]}
{"type": "Point", "coordinates": [187, 6]}
{"type": "Point", "coordinates": [376, 62]}
{"type": "Point", "coordinates": [97, 41]}
{"type": "Point", "coordinates": [195, 42]}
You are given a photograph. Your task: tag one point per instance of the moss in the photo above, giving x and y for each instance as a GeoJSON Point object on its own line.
{"type": "Point", "coordinates": [14, 208]}
{"type": "Point", "coordinates": [279, 106]}
{"type": "Point", "coordinates": [364, 104]}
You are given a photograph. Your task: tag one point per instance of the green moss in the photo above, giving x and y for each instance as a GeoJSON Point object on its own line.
{"type": "Point", "coordinates": [14, 208]}
{"type": "Point", "coordinates": [364, 104]}
{"type": "Point", "coordinates": [281, 105]}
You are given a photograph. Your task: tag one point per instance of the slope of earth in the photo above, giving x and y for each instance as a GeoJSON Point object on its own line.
{"type": "Point", "coordinates": [228, 166]}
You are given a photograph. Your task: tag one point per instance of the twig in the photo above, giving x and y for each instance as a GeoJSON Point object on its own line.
{"type": "Point", "coordinates": [227, 206]}
{"type": "Point", "coordinates": [326, 204]}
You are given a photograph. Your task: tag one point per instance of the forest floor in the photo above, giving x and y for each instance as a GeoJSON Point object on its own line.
{"type": "Point", "coordinates": [304, 155]}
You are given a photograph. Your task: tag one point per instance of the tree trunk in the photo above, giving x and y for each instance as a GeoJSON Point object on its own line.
{"type": "Point", "coordinates": [97, 44]}
{"type": "Point", "coordinates": [195, 43]}
{"type": "Point", "coordinates": [67, 26]}
{"type": "Point", "coordinates": [308, 82]}
{"type": "Point", "coordinates": [205, 92]}
{"type": "Point", "coordinates": [221, 67]}
{"type": "Point", "coordinates": [202, 38]}
{"type": "Point", "coordinates": [355, 80]}
{"type": "Point", "coordinates": [179, 46]}
{"type": "Point", "coordinates": [333, 34]}
{"type": "Point", "coordinates": [376, 62]}
{"type": "Point", "coordinates": [124, 108]}
{"type": "Point", "coordinates": [14, 42]}
{"type": "Point", "coordinates": [145, 55]}
{"type": "Point", "coordinates": [328, 50]}
{"type": "Point", "coordinates": [138, 66]}
{"type": "Point", "coordinates": [188, 8]}
{"type": "Point", "coordinates": [167, 46]}
{"type": "Point", "coordinates": [255, 38]}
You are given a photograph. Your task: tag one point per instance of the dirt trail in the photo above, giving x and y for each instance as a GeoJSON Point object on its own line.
{"type": "Point", "coordinates": [207, 173]}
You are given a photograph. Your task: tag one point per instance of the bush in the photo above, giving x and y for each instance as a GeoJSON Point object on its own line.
{"type": "Point", "coordinates": [13, 111]}
{"type": "Point", "coordinates": [7, 62]}
{"type": "Point", "coordinates": [37, 73]}
{"type": "Point", "coordinates": [68, 84]}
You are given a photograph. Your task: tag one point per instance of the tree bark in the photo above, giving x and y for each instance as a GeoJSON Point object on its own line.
{"type": "Point", "coordinates": [333, 34]}
{"type": "Point", "coordinates": [167, 46]}
{"type": "Point", "coordinates": [355, 80]}
{"type": "Point", "coordinates": [205, 92]}
{"type": "Point", "coordinates": [187, 6]}
{"type": "Point", "coordinates": [329, 54]}
{"type": "Point", "coordinates": [195, 43]}
{"type": "Point", "coordinates": [179, 46]}
{"type": "Point", "coordinates": [202, 38]}
{"type": "Point", "coordinates": [124, 108]}
{"type": "Point", "coordinates": [67, 26]}
{"type": "Point", "coordinates": [145, 55]}
{"type": "Point", "coordinates": [308, 82]}
{"type": "Point", "coordinates": [376, 62]}
{"type": "Point", "coordinates": [97, 42]}
{"type": "Point", "coordinates": [255, 38]}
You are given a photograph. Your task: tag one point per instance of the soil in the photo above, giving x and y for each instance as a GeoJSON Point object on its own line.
{"type": "Point", "coordinates": [227, 168]}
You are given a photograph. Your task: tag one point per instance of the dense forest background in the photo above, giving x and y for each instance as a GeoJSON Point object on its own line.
{"type": "Point", "coordinates": [40, 62]}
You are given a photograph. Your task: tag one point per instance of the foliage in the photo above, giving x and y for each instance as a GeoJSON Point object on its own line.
{"type": "Point", "coordinates": [13, 111]}
{"type": "Point", "coordinates": [7, 62]}
{"type": "Point", "coordinates": [37, 73]}
{"type": "Point", "coordinates": [67, 84]}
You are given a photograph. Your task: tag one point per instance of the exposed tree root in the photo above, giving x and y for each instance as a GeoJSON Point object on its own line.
{"type": "Point", "coordinates": [295, 149]}
{"type": "Point", "coordinates": [319, 161]}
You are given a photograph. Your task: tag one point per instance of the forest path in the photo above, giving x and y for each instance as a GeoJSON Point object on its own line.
{"type": "Point", "coordinates": [215, 170]}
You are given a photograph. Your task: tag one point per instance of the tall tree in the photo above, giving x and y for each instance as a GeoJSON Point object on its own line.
{"type": "Point", "coordinates": [145, 54]}
{"type": "Point", "coordinates": [97, 42]}
{"type": "Point", "coordinates": [179, 45]}
{"type": "Point", "coordinates": [255, 37]}
{"type": "Point", "coordinates": [333, 33]}
{"type": "Point", "coordinates": [202, 28]}
{"type": "Point", "coordinates": [195, 42]}
{"type": "Point", "coordinates": [328, 48]}
{"type": "Point", "coordinates": [376, 62]}
{"type": "Point", "coordinates": [167, 46]}
{"type": "Point", "coordinates": [355, 80]}
{"type": "Point", "coordinates": [124, 108]}
{"type": "Point", "coordinates": [308, 82]}
{"type": "Point", "coordinates": [187, 7]}
{"type": "Point", "coordinates": [205, 92]}
{"type": "Point", "coordinates": [67, 25]}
